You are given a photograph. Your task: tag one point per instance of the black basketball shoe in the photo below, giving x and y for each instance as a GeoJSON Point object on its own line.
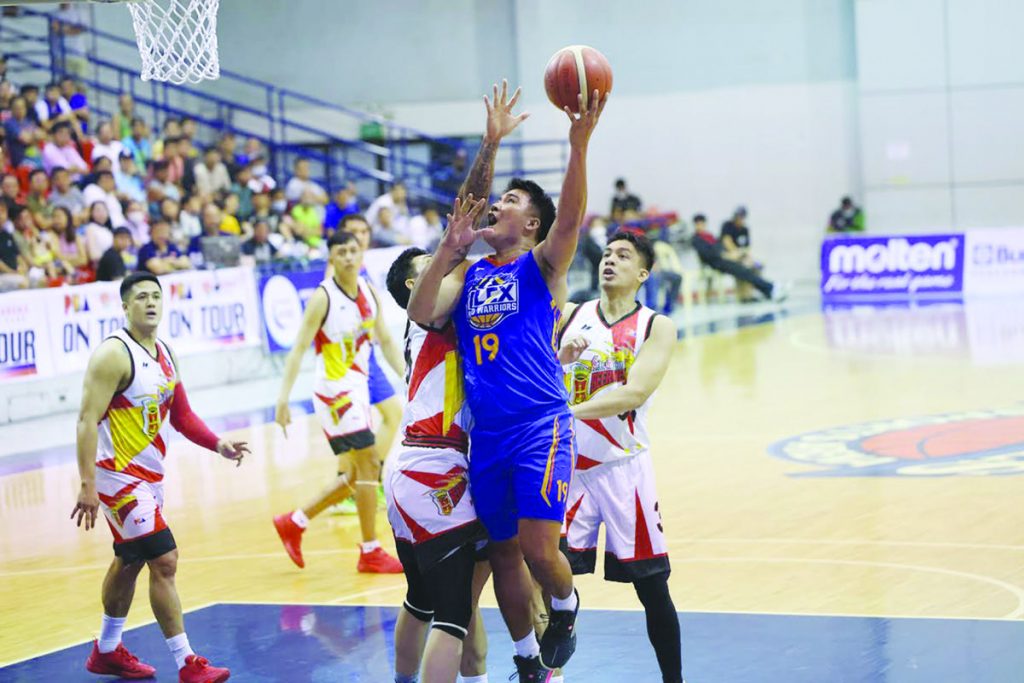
{"type": "Point", "coordinates": [559, 639]}
{"type": "Point", "coordinates": [530, 670]}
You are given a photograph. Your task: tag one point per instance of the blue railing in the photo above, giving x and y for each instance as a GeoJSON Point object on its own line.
{"type": "Point", "coordinates": [282, 119]}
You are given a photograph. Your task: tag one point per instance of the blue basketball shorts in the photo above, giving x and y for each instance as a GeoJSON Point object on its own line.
{"type": "Point", "coordinates": [521, 471]}
{"type": "Point", "coordinates": [380, 386]}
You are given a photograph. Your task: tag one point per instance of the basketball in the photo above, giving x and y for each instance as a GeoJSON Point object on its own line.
{"type": "Point", "coordinates": [574, 69]}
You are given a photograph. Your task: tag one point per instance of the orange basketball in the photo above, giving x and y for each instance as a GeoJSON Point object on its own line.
{"type": "Point", "coordinates": [576, 69]}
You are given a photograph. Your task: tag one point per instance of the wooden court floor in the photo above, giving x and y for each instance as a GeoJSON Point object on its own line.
{"type": "Point", "coordinates": [801, 470]}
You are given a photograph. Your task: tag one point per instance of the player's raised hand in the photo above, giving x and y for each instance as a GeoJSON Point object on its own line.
{"type": "Point", "coordinates": [461, 231]}
{"type": "Point", "coordinates": [572, 350]}
{"type": "Point", "coordinates": [87, 506]}
{"type": "Point", "coordinates": [233, 450]}
{"type": "Point", "coordinates": [283, 416]}
{"type": "Point", "coordinates": [582, 125]}
{"type": "Point", "coordinates": [500, 119]}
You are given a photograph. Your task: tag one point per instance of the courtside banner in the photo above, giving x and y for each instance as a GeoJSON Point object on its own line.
{"type": "Point", "coordinates": [78, 319]}
{"type": "Point", "coordinates": [24, 341]}
{"type": "Point", "coordinates": [210, 310]}
{"type": "Point", "coordinates": [995, 261]}
{"type": "Point", "coordinates": [908, 265]}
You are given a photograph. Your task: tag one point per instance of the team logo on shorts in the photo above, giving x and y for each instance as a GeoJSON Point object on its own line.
{"type": "Point", "coordinates": [492, 299]}
{"type": "Point", "coordinates": [984, 442]}
{"type": "Point", "coordinates": [446, 490]}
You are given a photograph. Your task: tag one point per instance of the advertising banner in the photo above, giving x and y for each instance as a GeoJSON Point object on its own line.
{"type": "Point", "coordinates": [994, 261]}
{"type": "Point", "coordinates": [54, 331]}
{"type": "Point", "coordinates": [913, 264]}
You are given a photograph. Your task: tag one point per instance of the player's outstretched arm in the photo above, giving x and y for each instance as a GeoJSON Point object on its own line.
{"type": "Point", "coordinates": [500, 122]}
{"type": "Point", "coordinates": [439, 286]}
{"type": "Point", "coordinates": [556, 252]}
{"type": "Point", "coordinates": [312, 319]}
{"type": "Point", "coordinates": [387, 343]}
{"type": "Point", "coordinates": [109, 368]}
{"type": "Point", "coordinates": [645, 375]}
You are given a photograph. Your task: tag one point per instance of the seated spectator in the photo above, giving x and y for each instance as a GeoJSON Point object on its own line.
{"type": "Point", "coordinates": [386, 233]}
{"type": "Point", "coordinates": [308, 216]}
{"type": "Point", "coordinates": [70, 245]}
{"type": "Point", "coordinates": [105, 146]}
{"type": "Point", "coordinates": [344, 204]}
{"type": "Point", "coordinates": [259, 245]}
{"type": "Point", "coordinates": [394, 199]}
{"type": "Point", "coordinates": [252, 151]}
{"type": "Point", "coordinates": [735, 237]}
{"type": "Point", "coordinates": [31, 94]}
{"type": "Point", "coordinates": [23, 135]}
{"type": "Point", "coordinates": [175, 160]}
{"type": "Point", "coordinates": [13, 266]}
{"type": "Point", "coordinates": [623, 201]}
{"type": "Point", "coordinates": [74, 93]}
{"type": "Point", "coordinates": [847, 218]}
{"type": "Point", "coordinates": [98, 232]}
{"type": "Point", "coordinates": [189, 128]}
{"type": "Point", "coordinates": [425, 230]}
{"type": "Point", "coordinates": [65, 194]}
{"type": "Point", "coordinates": [240, 188]}
{"type": "Point", "coordinates": [128, 181]}
{"type": "Point", "coordinates": [124, 116]}
{"type": "Point", "coordinates": [229, 224]}
{"type": "Point", "coordinates": [160, 186]}
{"type": "Point", "coordinates": [36, 199]}
{"type": "Point", "coordinates": [161, 255]}
{"type": "Point", "coordinates": [138, 143]}
{"type": "Point", "coordinates": [670, 277]}
{"type": "Point", "coordinates": [116, 260]}
{"type": "Point", "coordinates": [38, 247]}
{"type": "Point", "coordinates": [103, 190]}
{"type": "Point", "coordinates": [170, 211]}
{"type": "Point", "coordinates": [212, 219]}
{"type": "Point", "coordinates": [212, 175]}
{"type": "Point", "coordinates": [261, 180]}
{"type": "Point", "coordinates": [53, 109]}
{"type": "Point", "coordinates": [61, 151]}
{"type": "Point", "coordinates": [280, 225]}
{"type": "Point", "coordinates": [301, 182]}
{"type": "Point", "coordinates": [10, 189]}
{"type": "Point", "coordinates": [171, 130]}
{"type": "Point", "coordinates": [103, 164]}
{"type": "Point", "coordinates": [136, 219]}
{"type": "Point", "coordinates": [714, 255]}
{"type": "Point", "coordinates": [226, 146]}
{"type": "Point", "coordinates": [191, 218]}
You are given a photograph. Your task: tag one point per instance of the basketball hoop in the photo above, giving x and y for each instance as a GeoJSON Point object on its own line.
{"type": "Point", "coordinates": [177, 39]}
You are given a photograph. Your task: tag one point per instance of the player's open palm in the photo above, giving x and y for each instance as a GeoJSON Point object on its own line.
{"type": "Point", "coordinates": [500, 119]}
{"type": "Point", "coordinates": [87, 507]}
{"type": "Point", "coordinates": [583, 124]}
{"type": "Point", "coordinates": [461, 231]}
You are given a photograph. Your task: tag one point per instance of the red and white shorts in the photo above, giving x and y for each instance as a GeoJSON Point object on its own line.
{"type": "Point", "coordinates": [429, 504]}
{"type": "Point", "coordinates": [621, 495]}
{"type": "Point", "coordinates": [132, 506]}
{"type": "Point", "coordinates": [345, 415]}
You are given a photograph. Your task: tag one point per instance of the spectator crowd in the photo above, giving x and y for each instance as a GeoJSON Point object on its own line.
{"type": "Point", "coordinates": [84, 198]}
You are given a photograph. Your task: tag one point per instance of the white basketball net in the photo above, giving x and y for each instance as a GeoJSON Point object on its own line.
{"type": "Point", "coordinates": [177, 39]}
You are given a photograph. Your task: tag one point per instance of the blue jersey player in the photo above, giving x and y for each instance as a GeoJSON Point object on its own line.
{"type": "Point", "coordinates": [506, 309]}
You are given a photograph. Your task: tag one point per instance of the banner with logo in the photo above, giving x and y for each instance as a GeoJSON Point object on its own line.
{"type": "Point", "coordinates": [908, 265]}
{"type": "Point", "coordinates": [54, 331]}
{"type": "Point", "coordinates": [994, 261]}
{"type": "Point", "coordinates": [283, 296]}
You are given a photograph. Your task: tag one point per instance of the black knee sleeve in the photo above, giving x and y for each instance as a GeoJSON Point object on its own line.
{"type": "Point", "coordinates": [450, 583]}
{"type": "Point", "coordinates": [418, 600]}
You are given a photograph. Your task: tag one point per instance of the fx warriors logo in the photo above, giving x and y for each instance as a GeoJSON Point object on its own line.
{"type": "Point", "coordinates": [989, 442]}
{"type": "Point", "coordinates": [492, 299]}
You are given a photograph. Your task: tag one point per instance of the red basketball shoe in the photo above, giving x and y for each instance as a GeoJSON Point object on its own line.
{"type": "Point", "coordinates": [119, 662]}
{"type": "Point", "coordinates": [291, 536]}
{"type": "Point", "coordinates": [378, 562]}
{"type": "Point", "coordinates": [198, 670]}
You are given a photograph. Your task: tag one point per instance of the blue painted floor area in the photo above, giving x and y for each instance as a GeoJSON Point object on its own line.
{"type": "Point", "coordinates": [347, 644]}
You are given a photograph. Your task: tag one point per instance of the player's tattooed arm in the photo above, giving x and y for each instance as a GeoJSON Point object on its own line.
{"type": "Point", "coordinates": [644, 376]}
{"type": "Point", "coordinates": [500, 122]}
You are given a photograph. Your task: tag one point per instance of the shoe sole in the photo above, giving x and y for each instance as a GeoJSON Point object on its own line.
{"type": "Point", "coordinates": [129, 676]}
{"type": "Point", "coordinates": [297, 560]}
{"type": "Point", "coordinates": [220, 679]}
{"type": "Point", "coordinates": [561, 655]}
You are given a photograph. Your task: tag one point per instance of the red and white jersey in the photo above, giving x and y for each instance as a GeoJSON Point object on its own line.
{"type": "Point", "coordinates": [133, 432]}
{"type": "Point", "coordinates": [343, 341]}
{"type": "Point", "coordinates": [603, 366]}
{"type": "Point", "coordinates": [434, 415]}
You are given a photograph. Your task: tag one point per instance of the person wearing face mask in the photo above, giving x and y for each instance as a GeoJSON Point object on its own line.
{"type": "Point", "coordinates": [847, 218]}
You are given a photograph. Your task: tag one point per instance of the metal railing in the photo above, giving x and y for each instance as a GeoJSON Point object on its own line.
{"type": "Point", "coordinates": [288, 123]}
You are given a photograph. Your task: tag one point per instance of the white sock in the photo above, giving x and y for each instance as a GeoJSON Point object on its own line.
{"type": "Point", "coordinates": [565, 604]}
{"type": "Point", "coordinates": [110, 634]}
{"type": "Point", "coordinates": [179, 647]}
{"type": "Point", "coordinates": [482, 678]}
{"type": "Point", "coordinates": [300, 518]}
{"type": "Point", "coordinates": [528, 646]}
{"type": "Point", "coordinates": [369, 546]}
